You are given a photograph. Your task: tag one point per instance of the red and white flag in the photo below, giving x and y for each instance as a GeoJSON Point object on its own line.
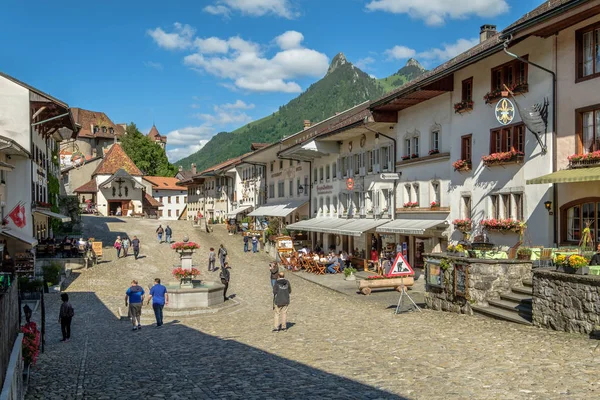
{"type": "Point", "coordinates": [18, 215]}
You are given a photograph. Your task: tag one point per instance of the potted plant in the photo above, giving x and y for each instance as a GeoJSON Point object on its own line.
{"type": "Point", "coordinates": [579, 264]}
{"type": "Point", "coordinates": [349, 273]}
{"type": "Point", "coordinates": [463, 225]}
{"type": "Point", "coordinates": [458, 250]}
{"type": "Point", "coordinates": [524, 253]}
{"type": "Point", "coordinates": [414, 155]}
{"type": "Point", "coordinates": [404, 158]}
{"type": "Point", "coordinates": [462, 165]}
{"type": "Point", "coordinates": [434, 151]}
{"type": "Point", "coordinates": [435, 204]}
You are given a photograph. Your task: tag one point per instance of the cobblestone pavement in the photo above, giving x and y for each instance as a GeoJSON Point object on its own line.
{"type": "Point", "coordinates": [339, 346]}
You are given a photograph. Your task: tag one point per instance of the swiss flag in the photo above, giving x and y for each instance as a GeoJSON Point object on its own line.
{"type": "Point", "coordinates": [18, 215]}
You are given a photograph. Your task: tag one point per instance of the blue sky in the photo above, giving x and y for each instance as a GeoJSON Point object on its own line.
{"type": "Point", "coordinates": [196, 68]}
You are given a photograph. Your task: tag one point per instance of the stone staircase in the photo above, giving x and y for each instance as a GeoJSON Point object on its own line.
{"type": "Point", "coordinates": [514, 306]}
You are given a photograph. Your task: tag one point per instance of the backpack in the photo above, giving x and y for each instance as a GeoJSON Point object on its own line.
{"type": "Point", "coordinates": [70, 312]}
{"type": "Point", "coordinates": [224, 251]}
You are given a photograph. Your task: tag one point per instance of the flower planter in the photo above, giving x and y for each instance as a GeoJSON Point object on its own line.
{"type": "Point", "coordinates": [350, 277]}
{"type": "Point", "coordinates": [523, 256]}
{"type": "Point", "coordinates": [567, 269]}
{"type": "Point", "coordinates": [582, 271]}
{"type": "Point", "coordinates": [365, 285]}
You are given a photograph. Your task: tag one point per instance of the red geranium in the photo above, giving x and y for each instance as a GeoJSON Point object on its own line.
{"type": "Point", "coordinates": [181, 273]}
{"type": "Point", "coordinates": [185, 246]}
{"type": "Point", "coordinates": [31, 343]}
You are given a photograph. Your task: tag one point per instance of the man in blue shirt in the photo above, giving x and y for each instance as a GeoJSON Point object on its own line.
{"type": "Point", "coordinates": [135, 297]}
{"type": "Point", "coordinates": [159, 297]}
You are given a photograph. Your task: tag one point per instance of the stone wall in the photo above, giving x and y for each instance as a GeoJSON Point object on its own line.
{"type": "Point", "coordinates": [566, 302]}
{"type": "Point", "coordinates": [487, 280]}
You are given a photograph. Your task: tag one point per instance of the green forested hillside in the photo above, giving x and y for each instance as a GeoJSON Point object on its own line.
{"type": "Point", "coordinates": [343, 87]}
{"type": "Point", "coordinates": [410, 71]}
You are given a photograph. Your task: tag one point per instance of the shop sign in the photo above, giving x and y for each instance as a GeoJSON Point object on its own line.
{"type": "Point", "coordinates": [401, 267]}
{"type": "Point", "coordinates": [389, 176]}
{"type": "Point", "coordinates": [349, 183]}
{"type": "Point", "coordinates": [505, 111]}
{"type": "Point", "coordinates": [324, 189]}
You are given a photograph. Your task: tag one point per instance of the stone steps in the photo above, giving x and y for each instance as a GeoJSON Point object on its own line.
{"type": "Point", "coordinates": [514, 306]}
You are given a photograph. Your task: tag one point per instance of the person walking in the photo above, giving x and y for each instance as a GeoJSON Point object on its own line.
{"type": "Point", "coordinates": [222, 255]}
{"type": "Point", "coordinates": [281, 300]}
{"type": "Point", "coordinates": [159, 297]}
{"type": "Point", "coordinates": [246, 240]}
{"type": "Point", "coordinates": [125, 245]}
{"type": "Point", "coordinates": [254, 244]}
{"type": "Point", "coordinates": [225, 276]}
{"type": "Point", "coordinates": [168, 233]}
{"type": "Point", "coordinates": [274, 268]}
{"type": "Point", "coordinates": [65, 316]}
{"type": "Point", "coordinates": [135, 296]}
{"type": "Point", "coordinates": [135, 243]}
{"type": "Point", "coordinates": [118, 245]}
{"type": "Point", "coordinates": [211, 259]}
{"type": "Point", "coordinates": [159, 233]}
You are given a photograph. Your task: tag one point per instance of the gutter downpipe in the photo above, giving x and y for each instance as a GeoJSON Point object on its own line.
{"type": "Point", "coordinates": [393, 160]}
{"type": "Point", "coordinates": [554, 119]}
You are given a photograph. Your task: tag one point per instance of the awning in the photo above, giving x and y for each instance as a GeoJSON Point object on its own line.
{"type": "Point", "coordinates": [317, 224]}
{"type": "Point", "coordinates": [569, 175]}
{"type": "Point", "coordinates": [410, 226]}
{"type": "Point", "coordinates": [48, 213]}
{"type": "Point", "coordinates": [6, 167]}
{"type": "Point", "coordinates": [357, 227]}
{"type": "Point", "coordinates": [21, 236]}
{"type": "Point", "coordinates": [232, 214]}
{"type": "Point", "coordinates": [278, 210]}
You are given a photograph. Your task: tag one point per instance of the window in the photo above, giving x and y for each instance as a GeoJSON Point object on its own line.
{"type": "Point", "coordinates": [589, 130]}
{"type": "Point", "coordinates": [416, 193]}
{"type": "Point", "coordinates": [334, 170]}
{"type": "Point", "coordinates": [407, 148]}
{"type": "Point", "coordinates": [495, 206]}
{"type": "Point", "coordinates": [385, 158]}
{"type": "Point", "coordinates": [306, 188]}
{"type": "Point", "coordinates": [291, 163]}
{"type": "Point", "coordinates": [291, 188]}
{"type": "Point", "coordinates": [327, 201]}
{"type": "Point", "coordinates": [281, 189]}
{"type": "Point", "coordinates": [161, 199]}
{"type": "Point", "coordinates": [298, 187]}
{"type": "Point", "coordinates": [184, 199]}
{"type": "Point", "coordinates": [466, 147]}
{"type": "Point", "coordinates": [508, 139]}
{"type": "Point", "coordinates": [280, 164]}
{"type": "Point", "coordinates": [321, 174]}
{"type": "Point", "coordinates": [435, 192]}
{"type": "Point", "coordinates": [177, 213]}
{"type": "Point", "coordinates": [588, 52]}
{"type": "Point", "coordinates": [176, 199]}
{"type": "Point", "coordinates": [321, 205]}
{"type": "Point", "coordinates": [316, 177]}
{"type": "Point", "coordinates": [169, 213]}
{"type": "Point", "coordinates": [435, 140]}
{"type": "Point", "coordinates": [271, 190]}
{"type": "Point", "coordinates": [344, 166]}
{"type": "Point", "coordinates": [466, 207]}
{"type": "Point", "coordinates": [506, 206]}
{"type": "Point", "coordinates": [271, 166]}
{"type": "Point", "coordinates": [518, 201]}
{"type": "Point", "coordinates": [575, 216]}
{"type": "Point", "coordinates": [415, 145]}
{"type": "Point", "coordinates": [467, 89]}
{"type": "Point", "coordinates": [509, 74]}
{"type": "Point", "coordinates": [356, 164]}
{"type": "Point", "coordinates": [327, 172]}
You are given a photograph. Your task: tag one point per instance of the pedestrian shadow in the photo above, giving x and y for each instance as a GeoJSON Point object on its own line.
{"type": "Point", "coordinates": [199, 364]}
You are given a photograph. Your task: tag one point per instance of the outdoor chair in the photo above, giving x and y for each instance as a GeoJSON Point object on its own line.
{"type": "Point", "coordinates": [512, 254]}
{"type": "Point", "coordinates": [546, 258]}
{"type": "Point", "coordinates": [336, 268]}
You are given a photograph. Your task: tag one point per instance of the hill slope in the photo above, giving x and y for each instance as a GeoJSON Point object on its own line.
{"type": "Point", "coordinates": [343, 87]}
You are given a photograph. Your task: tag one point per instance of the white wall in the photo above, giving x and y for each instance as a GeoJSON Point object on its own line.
{"type": "Point", "coordinates": [177, 205]}
{"type": "Point", "coordinates": [14, 112]}
{"type": "Point", "coordinates": [105, 195]}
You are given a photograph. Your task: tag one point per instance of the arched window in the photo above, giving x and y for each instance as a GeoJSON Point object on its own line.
{"type": "Point", "coordinates": [435, 192]}
{"type": "Point", "coordinates": [576, 215]}
{"type": "Point", "coordinates": [435, 139]}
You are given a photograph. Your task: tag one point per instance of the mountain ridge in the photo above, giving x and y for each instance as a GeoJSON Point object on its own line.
{"type": "Point", "coordinates": [343, 86]}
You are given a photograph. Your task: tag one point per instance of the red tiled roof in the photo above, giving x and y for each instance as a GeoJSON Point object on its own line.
{"type": "Point", "coordinates": [89, 187]}
{"type": "Point", "coordinates": [163, 182]}
{"type": "Point", "coordinates": [116, 159]}
{"type": "Point", "coordinates": [150, 201]}
{"type": "Point", "coordinates": [87, 119]}
{"type": "Point", "coordinates": [154, 135]}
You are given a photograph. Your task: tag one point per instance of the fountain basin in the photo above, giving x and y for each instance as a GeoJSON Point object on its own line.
{"type": "Point", "coordinates": [204, 294]}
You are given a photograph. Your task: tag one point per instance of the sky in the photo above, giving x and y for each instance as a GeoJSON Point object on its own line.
{"type": "Point", "coordinates": [196, 68]}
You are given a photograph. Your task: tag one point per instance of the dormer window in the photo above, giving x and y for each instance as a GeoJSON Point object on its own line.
{"type": "Point", "coordinates": [96, 128]}
{"type": "Point", "coordinates": [103, 129]}
{"type": "Point", "coordinates": [111, 130]}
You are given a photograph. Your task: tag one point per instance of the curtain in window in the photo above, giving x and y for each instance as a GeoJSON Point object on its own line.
{"type": "Point", "coordinates": [588, 50]}
{"type": "Point", "coordinates": [588, 132]}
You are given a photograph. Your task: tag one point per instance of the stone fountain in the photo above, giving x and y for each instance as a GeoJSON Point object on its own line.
{"type": "Point", "coordinates": [191, 293]}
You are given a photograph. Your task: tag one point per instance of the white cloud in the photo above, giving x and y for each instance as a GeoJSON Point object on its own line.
{"type": "Point", "coordinates": [253, 8]}
{"type": "Point", "coordinates": [223, 117]}
{"type": "Point", "coordinates": [180, 38]}
{"type": "Point", "coordinates": [448, 51]}
{"type": "Point", "coordinates": [238, 105]}
{"type": "Point", "coordinates": [245, 64]}
{"type": "Point", "coordinates": [178, 153]}
{"type": "Point", "coordinates": [436, 12]}
{"type": "Point", "coordinates": [364, 63]}
{"type": "Point", "coordinates": [154, 65]}
{"type": "Point", "coordinates": [400, 53]}
{"type": "Point", "coordinates": [190, 135]}
{"type": "Point", "coordinates": [289, 40]}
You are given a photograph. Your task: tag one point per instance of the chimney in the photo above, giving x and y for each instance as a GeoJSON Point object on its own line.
{"type": "Point", "coordinates": [486, 32]}
{"type": "Point", "coordinates": [193, 169]}
{"type": "Point", "coordinates": [306, 124]}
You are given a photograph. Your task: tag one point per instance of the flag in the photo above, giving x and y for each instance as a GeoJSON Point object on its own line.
{"type": "Point", "coordinates": [535, 119]}
{"type": "Point", "coordinates": [18, 215]}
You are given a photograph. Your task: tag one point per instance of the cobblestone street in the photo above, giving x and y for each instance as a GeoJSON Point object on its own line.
{"type": "Point", "coordinates": [340, 346]}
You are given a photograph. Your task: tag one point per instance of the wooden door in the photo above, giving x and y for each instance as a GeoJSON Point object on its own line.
{"type": "Point", "coordinates": [125, 207]}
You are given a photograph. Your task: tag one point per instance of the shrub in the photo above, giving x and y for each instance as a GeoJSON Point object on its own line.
{"type": "Point", "coordinates": [51, 273]}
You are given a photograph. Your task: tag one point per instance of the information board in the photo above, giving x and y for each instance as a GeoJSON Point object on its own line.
{"type": "Point", "coordinates": [401, 267]}
{"type": "Point", "coordinates": [97, 248]}
{"type": "Point", "coordinates": [461, 280]}
{"type": "Point", "coordinates": [435, 274]}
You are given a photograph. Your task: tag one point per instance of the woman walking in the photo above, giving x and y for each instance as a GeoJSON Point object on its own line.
{"type": "Point", "coordinates": [118, 245]}
{"type": "Point", "coordinates": [274, 269]}
{"type": "Point", "coordinates": [126, 245]}
{"type": "Point", "coordinates": [159, 233]}
{"type": "Point", "coordinates": [65, 316]}
{"type": "Point", "coordinates": [211, 259]}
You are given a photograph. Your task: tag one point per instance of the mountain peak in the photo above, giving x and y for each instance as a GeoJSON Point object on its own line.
{"type": "Point", "coordinates": [338, 61]}
{"type": "Point", "coordinates": [414, 63]}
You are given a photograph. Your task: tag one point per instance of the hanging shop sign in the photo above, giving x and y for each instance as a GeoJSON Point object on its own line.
{"type": "Point", "coordinates": [505, 111]}
{"type": "Point", "coordinates": [389, 176]}
{"type": "Point", "coordinates": [349, 183]}
{"type": "Point", "coordinates": [401, 267]}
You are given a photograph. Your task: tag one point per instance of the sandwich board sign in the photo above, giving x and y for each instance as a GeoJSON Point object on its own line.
{"type": "Point", "coordinates": [401, 267]}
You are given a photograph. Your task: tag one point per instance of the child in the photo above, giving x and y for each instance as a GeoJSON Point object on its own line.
{"type": "Point", "coordinates": [211, 259]}
{"type": "Point", "coordinates": [65, 316]}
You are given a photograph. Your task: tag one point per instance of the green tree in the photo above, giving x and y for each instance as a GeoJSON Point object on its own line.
{"type": "Point", "coordinates": [147, 155]}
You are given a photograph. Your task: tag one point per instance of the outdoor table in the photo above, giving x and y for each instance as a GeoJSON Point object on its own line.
{"type": "Point", "coordinates": [594, 269]}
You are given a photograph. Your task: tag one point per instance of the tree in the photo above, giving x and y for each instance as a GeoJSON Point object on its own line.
{"type": "Point", "coordinates": [147, 155]}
